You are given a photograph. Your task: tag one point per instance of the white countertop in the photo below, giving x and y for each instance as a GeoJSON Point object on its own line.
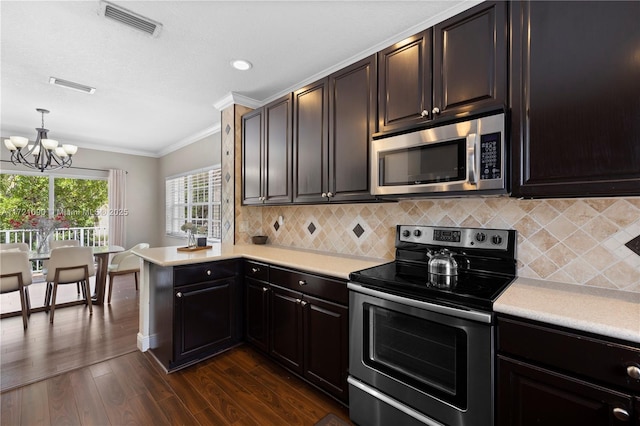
{"type": "Point", "coordinates": [335, 265]}
{"type": "Point", "coordinates": [607, 312]}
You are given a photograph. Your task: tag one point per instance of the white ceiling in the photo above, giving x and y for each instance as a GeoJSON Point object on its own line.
{"type": "Point", "coordinates": [155, 95]}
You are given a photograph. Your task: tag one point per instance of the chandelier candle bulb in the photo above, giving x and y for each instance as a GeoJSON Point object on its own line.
{"type": "Point", "coordinates": [19, 141]}
{"type": "Point", "coordinates": [9, 145]}
{"type": "Point", "coordinates": [49, 143]}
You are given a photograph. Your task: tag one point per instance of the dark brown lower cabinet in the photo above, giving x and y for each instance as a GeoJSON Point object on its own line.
{"type": "Point", "coordinates": [530, 395]}
{"type": "Point", "coordinates": [549, 375]}
{"type": "Point", "coordinates": [286, 328]}
{"type": "Point", "coordinates": [326, 341]}
{"type": "Point", "coordinates": [301, 321]}
{"type": "Point", "coordinates": [196, 311]}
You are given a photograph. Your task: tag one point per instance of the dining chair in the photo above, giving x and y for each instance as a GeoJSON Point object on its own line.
{"type": "Point", "coordinates": [54, 244]}
{"type": "Point", "coordinates": [13, 246]}
{"type": "Point", "coordinates": [15, 269]}
{"type": "Point", "coordinates": [125, 263]}
{"type": "Point", "coordinates": [70, 265]}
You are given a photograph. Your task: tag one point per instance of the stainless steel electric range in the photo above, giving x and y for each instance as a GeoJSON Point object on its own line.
{"type": "Point", "coordinates": [421, 328]}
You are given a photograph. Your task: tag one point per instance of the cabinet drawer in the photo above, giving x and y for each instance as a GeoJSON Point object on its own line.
{"type": "Point", "coordinates": [199, 272]}
{"type": "Point", "coordinates": [326, 288]}
{"type": "Point", "coordinates": [564, 350]}
{"type": "Point", "coordinates": [256, 270]}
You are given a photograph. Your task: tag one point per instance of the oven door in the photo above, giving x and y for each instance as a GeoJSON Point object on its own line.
{"type": "Point", "coordinates": [431, 363]}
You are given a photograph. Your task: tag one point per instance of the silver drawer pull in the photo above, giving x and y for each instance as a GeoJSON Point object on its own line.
{"type": "Point", "coordinates": [633, 371]}
{"type": "Point", "coordinates": [621, 414]}
{"type": "Point", "coordinates": [303, 303]}
{"type": "Point", "coordinates": [255, 270]}
{"type": "Point", "coordinates": [265, 289]}
{"type": "Point", "coordinates": [208, 271]}
{"type": "Point", "coordinates": [298, 301]}
{"type": "Point", "coordinates": [178, 294]}
{"type": "Point", "coordinates": [302, 282]}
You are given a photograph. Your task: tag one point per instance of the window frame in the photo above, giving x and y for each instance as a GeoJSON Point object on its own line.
{"type": "Point", "coordinates": [181, 186]}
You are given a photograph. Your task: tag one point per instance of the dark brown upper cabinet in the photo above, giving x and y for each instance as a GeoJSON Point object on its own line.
{"type": "Point", "coordinates": [267, 153]}
{"type": "Point", "coordinates": [456, 68]}
{"type": "Point", "coordinates": [470, 61]}
{"type": "Point", "coordinates": [404, 83]}
{"type": "Point", "coordinates": [576, 98]}
{"type": "Point", "coordinates": [334, 119]}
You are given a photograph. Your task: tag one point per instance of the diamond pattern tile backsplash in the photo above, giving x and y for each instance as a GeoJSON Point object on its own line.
{"type": "Point", "coordinates": [579, 241]}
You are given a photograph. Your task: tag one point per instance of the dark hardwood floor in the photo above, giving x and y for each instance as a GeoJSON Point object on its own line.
{"type": "Point", "coordinates": [88, 381]}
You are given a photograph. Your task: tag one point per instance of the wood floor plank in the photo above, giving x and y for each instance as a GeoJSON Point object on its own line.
{"type": "Point", "coordinates": [147, 377]}
{"type": "Point", "coordinates": [114, 399]}
{"type": "Point", "coordinates": [250, 403]}
{"type": "Point", "coordinates": [62, 405]}
{"type": "Point", "coordinates": [35, 405]}
{"type": "Point", "coordinates": [277, 401]}
{"type": "Point", "coordinates": [10, 407]}
{"type": "Point", "coordinates": [146, 411]}
{"type": "Point", "coordinates": [207, 385]}
{"type": "Point", "coordinates": [91, 409]}
{"type": "Point", "coordinates": [176, 412]}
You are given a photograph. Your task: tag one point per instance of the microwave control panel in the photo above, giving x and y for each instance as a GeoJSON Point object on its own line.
{"type": "Point", "coordinates": [490, 156]}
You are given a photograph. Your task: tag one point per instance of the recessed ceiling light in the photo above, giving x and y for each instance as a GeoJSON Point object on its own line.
{"type": "Point", "coordinates": [241, 64]}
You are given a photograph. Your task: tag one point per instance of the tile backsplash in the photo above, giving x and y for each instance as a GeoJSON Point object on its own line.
{"type": "Point", "coordinates": [579, 241]}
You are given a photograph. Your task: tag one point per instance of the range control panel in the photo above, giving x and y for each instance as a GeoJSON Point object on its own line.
{"type": "Point", "coordinates": [488, 239]}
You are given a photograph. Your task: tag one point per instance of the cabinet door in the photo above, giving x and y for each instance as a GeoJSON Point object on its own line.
{"type": "Point", "coordinates": [326, 345]}
{"type": "Point", "coordinates": [286, 328]}
{"type": "Point", "coordinates": [257, 313]}
{"type": "Point", "coordinates": [277, 151]}
{"type": "Point", "coordinates": [576, 98]}
{"type": "Point", "coordinates": [310, 143]}
{"type": "Point", "coordinates": [470, 61]}
{"type": "Point", "coordinates": [529, 395]}
{"type": "Point", "coordinates": [252, 170]}
{"type": "Point", "coordinates": [352, 112]}
{"type": "Point", "coordinates": [404, 82]}
{"type": "Point", "coordinates": [203, 318]}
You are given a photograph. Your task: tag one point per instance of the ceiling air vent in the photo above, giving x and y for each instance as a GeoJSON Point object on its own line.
{"type": "Point", "coordinates": [129, 18]}
{"type": "Point", "coordinates": [71, 85]}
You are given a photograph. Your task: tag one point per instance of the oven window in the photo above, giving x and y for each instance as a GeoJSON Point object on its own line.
{"type": "Point", "coordinates": [429, 356]}
{"type": "Point", "coordinates": [442, 162]}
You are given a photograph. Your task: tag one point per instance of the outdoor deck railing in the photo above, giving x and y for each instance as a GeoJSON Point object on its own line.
{"type": "Point", "coordinates": [88, 237]}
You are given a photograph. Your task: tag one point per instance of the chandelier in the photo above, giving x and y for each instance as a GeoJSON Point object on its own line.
{"type": "Point", "coordinates": [45, 152]}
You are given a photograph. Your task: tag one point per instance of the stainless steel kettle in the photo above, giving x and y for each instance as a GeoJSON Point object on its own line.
{"type": "Point", "coordinates": [443, 268]}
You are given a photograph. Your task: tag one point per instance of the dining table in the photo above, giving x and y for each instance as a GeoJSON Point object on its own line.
{"type": "Point", "coordinates": [101, 254]}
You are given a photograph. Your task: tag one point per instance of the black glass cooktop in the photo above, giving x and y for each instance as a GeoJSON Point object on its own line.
{"type": "Point", "coordinates": [470, 288]}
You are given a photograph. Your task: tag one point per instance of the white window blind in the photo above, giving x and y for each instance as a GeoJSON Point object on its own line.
{"type": "Point", "coordinates": [196, 198]}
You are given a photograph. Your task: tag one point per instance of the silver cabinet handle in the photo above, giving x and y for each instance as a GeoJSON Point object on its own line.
{"type": "Point", "coordinates": [424, 113]}
{"type": "Point", "coordinates": [303, 303]}
{"type": "Point", "coordinates": [208, 271]}
{"type": "Point", "coordinates": [254, 270]}
{"type": "Point", "coordinates": [329, 194]}
{"type": "Point", "coordinates": [324, 195]}
{"type": "Point", "coordinates": [435, 110]}
{"type": "Point", "coordinates": [302, 282]}
{"type": "Point", "coordinates": [633, 371]}
{"type": "Point", "coordinates": [178, 295]}
{"type": "Point", "coordinates": [298, 301]}
{"type": "Point", "coordinates": [621, 414]}
{"type": "Point", "coordinates": [265, 289]}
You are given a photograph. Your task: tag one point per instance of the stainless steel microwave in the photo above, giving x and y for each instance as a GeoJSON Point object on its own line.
{"type": "Point", "coordinates": [462, 158]}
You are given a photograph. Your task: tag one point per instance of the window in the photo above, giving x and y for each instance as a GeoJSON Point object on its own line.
{"type": "Point", "coordinates": [194, 197]}
{"type": "Point", "coordinates": [82, 200]}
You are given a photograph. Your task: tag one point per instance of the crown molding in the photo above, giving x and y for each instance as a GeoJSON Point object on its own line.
{"type": "Point", "coordinates": [236, 99]}
{"type": "Point", "coordinates": [190, 139]}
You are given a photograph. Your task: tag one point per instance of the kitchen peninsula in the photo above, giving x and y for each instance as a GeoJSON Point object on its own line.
{"type": "Point", "coordinates": [192, 306]}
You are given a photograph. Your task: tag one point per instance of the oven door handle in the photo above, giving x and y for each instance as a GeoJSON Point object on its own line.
{"type": "Point", "coordinates": [392, 402]}
{"type": "Point", "coordinates": [446, 310]}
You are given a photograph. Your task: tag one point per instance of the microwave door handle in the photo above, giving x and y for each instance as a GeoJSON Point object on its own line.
{"type": "Point", "coordinates": [472, 141]}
